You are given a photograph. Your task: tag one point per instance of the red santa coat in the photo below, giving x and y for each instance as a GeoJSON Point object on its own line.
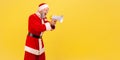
{"type": "Point", "coordinates": [36, 26]}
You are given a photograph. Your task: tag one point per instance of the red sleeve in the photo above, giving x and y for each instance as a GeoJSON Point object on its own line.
{"type": "Point", "coordinates": [35, 25]}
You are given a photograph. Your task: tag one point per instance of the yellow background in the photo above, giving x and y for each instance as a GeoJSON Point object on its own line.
{"type": "Point", "coordinates": [90, 30]}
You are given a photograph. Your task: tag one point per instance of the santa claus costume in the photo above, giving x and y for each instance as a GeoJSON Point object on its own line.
{"type": "Point", "coordinates": [34, 47]}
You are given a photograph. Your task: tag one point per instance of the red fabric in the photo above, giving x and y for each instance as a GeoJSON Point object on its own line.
{"type": "Point", "coordinates": [42, 4]}
{"type": "Point", "coordinates": [29, 56]}
{"type": "Point", "coordinates": [35, 26]}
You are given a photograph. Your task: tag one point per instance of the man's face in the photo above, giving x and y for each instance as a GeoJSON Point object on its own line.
{"type": "Point", "coordinates": [44, 12]}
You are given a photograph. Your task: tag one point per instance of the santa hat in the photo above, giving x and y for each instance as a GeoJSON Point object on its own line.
{"type": "Point", "coordinates": [42, 6]}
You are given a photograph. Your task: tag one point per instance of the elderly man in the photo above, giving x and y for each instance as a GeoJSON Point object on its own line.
{"type": "Point", "coordinates": [37, 24]}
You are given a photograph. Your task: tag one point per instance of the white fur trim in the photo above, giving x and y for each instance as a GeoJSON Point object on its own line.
{"type": "Point", "coordinates": [31, 50]}
{"type": "Point", "coordinates": [48, 27]}
{"type": "Point", "coordinates": [42, 51]}
{"type": "Point", "coordinates": [40, 44]}
{"type": "Point", "coordinates": [34, 51]}
{"type": "Point", "coordinates": [42, 7]}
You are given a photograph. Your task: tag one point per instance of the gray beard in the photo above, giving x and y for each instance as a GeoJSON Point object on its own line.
{"type": "Point", "coordinates": [42, 15]}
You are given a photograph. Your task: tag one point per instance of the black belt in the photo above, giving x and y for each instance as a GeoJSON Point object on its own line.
{"type": "Point", "coordinates": [33, 35]}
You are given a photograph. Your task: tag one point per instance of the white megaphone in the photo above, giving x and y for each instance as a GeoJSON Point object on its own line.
{"type": "Point", "coordinates": [58, 18]}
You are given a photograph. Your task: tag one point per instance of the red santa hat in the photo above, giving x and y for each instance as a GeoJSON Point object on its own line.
{"type": "Point", "coordinates": [42, 6]}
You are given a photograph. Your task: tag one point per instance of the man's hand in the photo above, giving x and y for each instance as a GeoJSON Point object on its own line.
{"type": "Point", "coordinates": [52, 23]}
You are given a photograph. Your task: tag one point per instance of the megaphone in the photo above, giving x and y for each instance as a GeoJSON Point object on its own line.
{"type": "Point", "coordinates": [57, 18]}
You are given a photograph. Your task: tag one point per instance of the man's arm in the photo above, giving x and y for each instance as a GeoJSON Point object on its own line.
{"type": "Point", "coordinates": [52, 23]}
{"type": "Point", "coordinates": [37, 26]}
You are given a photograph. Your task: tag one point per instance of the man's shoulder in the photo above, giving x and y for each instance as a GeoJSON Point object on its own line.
{"type": "Point", "coordinates": [33, 15]}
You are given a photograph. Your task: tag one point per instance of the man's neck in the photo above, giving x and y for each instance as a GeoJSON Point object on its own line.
{"type": "Point", "coordinates": [38, 14]}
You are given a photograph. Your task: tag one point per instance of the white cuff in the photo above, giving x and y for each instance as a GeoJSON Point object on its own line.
{"type": "Point", "coordinates": [48, 26]}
